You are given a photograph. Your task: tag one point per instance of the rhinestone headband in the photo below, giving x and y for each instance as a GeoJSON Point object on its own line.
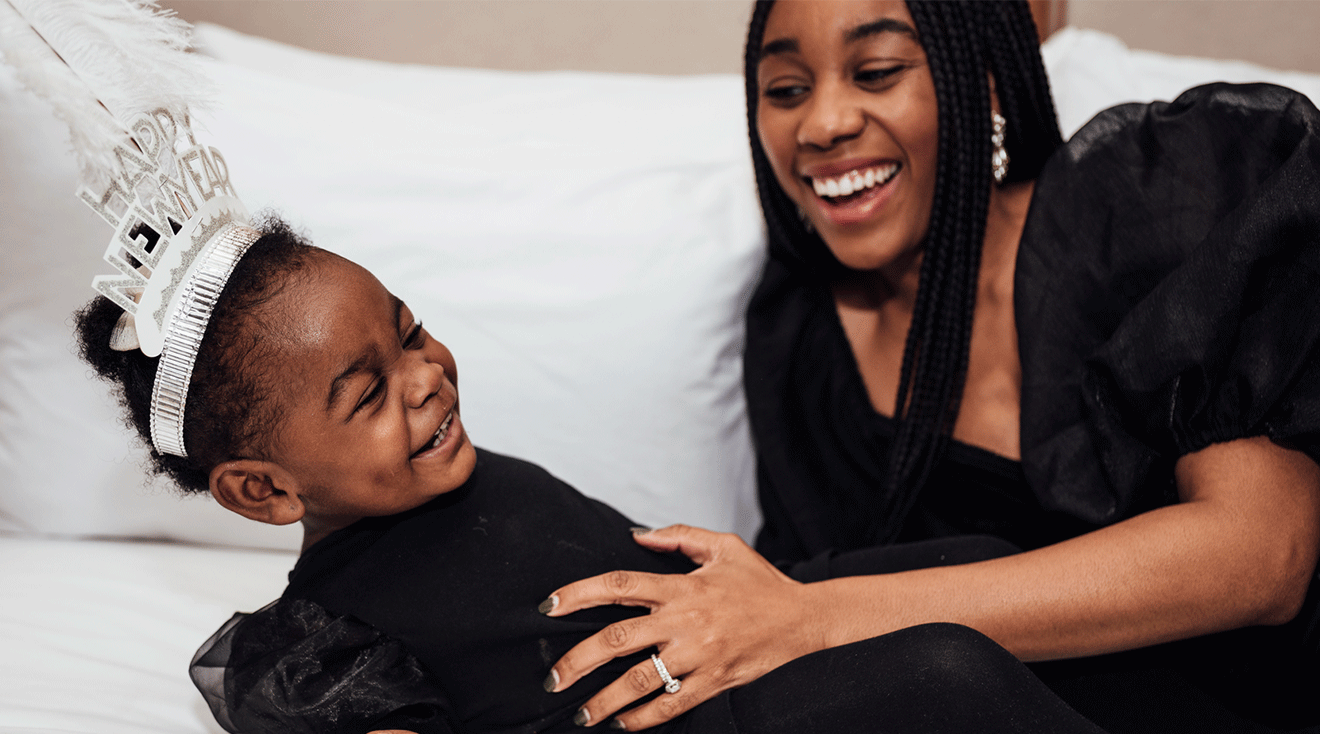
{"type": "Point", "coordinates": [183, 339]}
{"type": "Point", "coordinates": [179, 232]}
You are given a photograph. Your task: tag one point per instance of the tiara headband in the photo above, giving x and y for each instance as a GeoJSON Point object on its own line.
{"type": "Point", "coordinates": [179, 231]}
{"type": "Point", "coordinates": [118, 73]}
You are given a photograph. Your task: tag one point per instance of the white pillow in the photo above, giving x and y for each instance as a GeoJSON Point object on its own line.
{"type": "Point", "coordinates": [1090, 71]}
{"type": "Point", "coordinates": [585, 244]}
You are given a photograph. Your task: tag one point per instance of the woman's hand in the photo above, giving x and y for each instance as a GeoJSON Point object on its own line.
{"type": "Point", "coordinates": [1238, 549]}
{"type": "Point", "coordinates": [718, 627]}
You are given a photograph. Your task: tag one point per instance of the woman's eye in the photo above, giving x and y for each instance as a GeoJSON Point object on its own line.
{"type": "Point", "coordinates": [873, 76]}
{"type": "Point", "coordinates": [414, 338]}
{"type": "Point", "coordinates": [785, 92]}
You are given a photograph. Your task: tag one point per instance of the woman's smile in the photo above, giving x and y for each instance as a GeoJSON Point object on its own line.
{"type": "Point", "coordinates": [856, 193]}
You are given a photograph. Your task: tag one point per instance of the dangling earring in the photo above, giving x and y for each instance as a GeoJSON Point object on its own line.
{"type": "Point", "coordinates": [999, 156]}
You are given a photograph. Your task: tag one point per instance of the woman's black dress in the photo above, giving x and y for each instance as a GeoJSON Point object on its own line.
{"type": "Point", "coordinates": [1167, 297]}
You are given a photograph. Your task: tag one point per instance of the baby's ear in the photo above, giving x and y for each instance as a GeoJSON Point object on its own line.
{"type": "Point", "coordinates": [258, 490]}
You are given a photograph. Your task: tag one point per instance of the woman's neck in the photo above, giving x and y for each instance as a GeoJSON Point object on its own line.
{"type": "Point", "coordinates": [893, 287]}
{"type": "Point", "coordinates": [989, 413]}
{"type": "Point", "coordinates": [1005, 218]}
{"type": "Point", "coordinates": [875, 310]}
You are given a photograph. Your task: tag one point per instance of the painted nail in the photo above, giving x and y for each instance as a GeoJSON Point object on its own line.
{"type": "Point", "coordinates": [618, 725]}
{"type": "Point", "coordinates": [640, 530]}
{"type": "Point", "coordinates": [582, 718]}
{"type": "Point", "coordinates": [548, 605]}
{"type": "Point", "coordinates": [551, 681]}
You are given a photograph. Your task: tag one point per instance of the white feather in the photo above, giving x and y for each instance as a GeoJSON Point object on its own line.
{"type": "Point", "coordinates": [100, 63]}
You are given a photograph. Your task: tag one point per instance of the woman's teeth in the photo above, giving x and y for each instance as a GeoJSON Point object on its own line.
{"type": "Point", "coordinates": [853, 181]}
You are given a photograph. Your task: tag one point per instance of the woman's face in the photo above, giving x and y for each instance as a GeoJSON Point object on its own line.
{"type": "Point", "coordinates": [848, 119]}
{"type": "Point", "coordinates": [369, 423]}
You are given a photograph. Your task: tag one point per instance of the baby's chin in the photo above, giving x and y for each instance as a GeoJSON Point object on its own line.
{"type": "Point", "coordinates": [457, 470]}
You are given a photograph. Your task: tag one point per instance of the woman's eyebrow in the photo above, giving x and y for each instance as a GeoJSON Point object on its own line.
{"type": "Point", "coordinates": [865, 30]}
{"type": "Point", "coordinates": [876, 27]}
{"type": "Point", "coordinates": [779, 46]}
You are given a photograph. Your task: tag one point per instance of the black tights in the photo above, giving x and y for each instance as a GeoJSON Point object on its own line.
{"type": "Point", "coordinates": [929, 679]}
{"type": "Point", "coordinates": [946, 678]}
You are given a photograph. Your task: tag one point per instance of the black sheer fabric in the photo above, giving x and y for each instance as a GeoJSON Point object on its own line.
{"type": "Point", "coordinates": [293, 667]}
{"type": "Point", "coordinates": [1167, 297]}
{"type": "Point", "coordinates": [1167, 294]}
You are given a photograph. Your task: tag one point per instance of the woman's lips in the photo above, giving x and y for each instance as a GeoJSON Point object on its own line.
{"type": "Point", "coordinates": [854, 195]}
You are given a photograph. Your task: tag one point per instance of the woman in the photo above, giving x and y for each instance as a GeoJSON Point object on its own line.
{"type": "Point", "coordinates": [1102, 354]}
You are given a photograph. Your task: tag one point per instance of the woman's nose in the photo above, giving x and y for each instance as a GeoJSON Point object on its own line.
{"type": "Point", "coordinates": [831, 118]}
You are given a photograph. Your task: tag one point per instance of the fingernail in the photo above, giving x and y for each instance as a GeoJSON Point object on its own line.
{"type": "Point", "coordinates": [582, 718]}
{"type": "Point", "coordinates": [640, 530]}
{"type": "Point", "coordinates": [548, 605]}
{"type": "Point", "coordinates": [551, 681]}
{"type": "Point", "coordinates": [616, 724]}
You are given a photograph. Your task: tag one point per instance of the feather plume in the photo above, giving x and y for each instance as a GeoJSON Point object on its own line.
{"type": "Point", "coordinates": [100, 63]}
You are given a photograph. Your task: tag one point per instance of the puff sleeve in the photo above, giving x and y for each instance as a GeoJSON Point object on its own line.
{"type": "Point", "coordinates": [294, 668]}
{"type": "Point", "coordinates": [1168, 295]}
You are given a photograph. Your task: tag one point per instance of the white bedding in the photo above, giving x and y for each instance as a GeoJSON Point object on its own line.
{"type": "Point", "coordinates": [97, 634]}
{"type": "Point", "coordinates": [584, 242]}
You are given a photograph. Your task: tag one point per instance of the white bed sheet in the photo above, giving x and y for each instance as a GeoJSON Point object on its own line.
{"type": "Point", "coordinates": [95, 636]}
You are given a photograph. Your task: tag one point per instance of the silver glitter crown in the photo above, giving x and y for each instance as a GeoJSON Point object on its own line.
{"type": "Point", "coordinates": [179, 231]}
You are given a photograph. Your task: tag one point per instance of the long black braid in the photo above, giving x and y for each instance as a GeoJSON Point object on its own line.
{"type": "Point", "coordinates": [962, 40]}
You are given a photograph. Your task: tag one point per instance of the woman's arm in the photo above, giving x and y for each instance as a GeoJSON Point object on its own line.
{"type": "Point", "coordinates": [1237, 550]}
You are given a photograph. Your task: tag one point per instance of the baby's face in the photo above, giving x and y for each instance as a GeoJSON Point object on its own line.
{"type": "Point", "coordinates": [369, 422]}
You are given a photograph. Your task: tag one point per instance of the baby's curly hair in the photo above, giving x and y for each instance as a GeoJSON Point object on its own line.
{"type": "Point", "coordinates": [230, 414]}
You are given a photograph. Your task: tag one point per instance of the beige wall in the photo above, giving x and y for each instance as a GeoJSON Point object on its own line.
{"type": "Point", "coordinates": [702, 36]}
{"type": "Point", "coordinates": [1284, 34]}
{"type": "Point", "coordinates": [648, 36]}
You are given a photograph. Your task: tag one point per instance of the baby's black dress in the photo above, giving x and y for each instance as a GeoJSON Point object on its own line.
{"type": "Point", "coordinates": [427, 621]}
{"type": "Point", "coordinates": [1167, 297]}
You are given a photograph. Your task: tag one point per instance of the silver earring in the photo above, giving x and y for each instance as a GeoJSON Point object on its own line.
{"type": "Point", "coordinates": [999, 156]}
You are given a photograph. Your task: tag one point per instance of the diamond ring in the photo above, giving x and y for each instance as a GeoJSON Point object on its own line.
{"type": "Point", "coordinates": [671, 684]}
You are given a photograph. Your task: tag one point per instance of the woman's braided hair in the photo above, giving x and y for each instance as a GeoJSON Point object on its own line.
{"type": "Point", "coordinates": [229, 407]}
{"type": "Point", "coordinates": [963, 40]}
